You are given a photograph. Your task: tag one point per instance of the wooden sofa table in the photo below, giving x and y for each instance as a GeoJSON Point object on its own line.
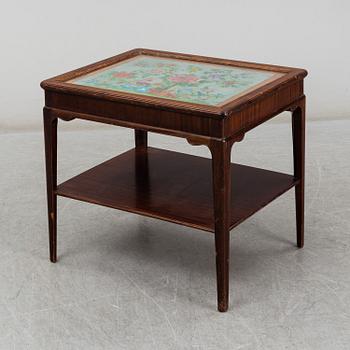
{"type": "Point", "coordinates": [207, 101]}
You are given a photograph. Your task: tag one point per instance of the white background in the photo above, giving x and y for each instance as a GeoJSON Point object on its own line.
{"type": "Point", "coordinates": [40, 39]}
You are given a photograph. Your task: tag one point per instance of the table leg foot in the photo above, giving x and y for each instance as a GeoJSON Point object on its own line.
{"type": "Point", "coordinates": [53, 236]}
{"type": "Point", "coordinates": [299, 208]}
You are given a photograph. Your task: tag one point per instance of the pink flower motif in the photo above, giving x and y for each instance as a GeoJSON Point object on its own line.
{"type": "Point", "coordinates": [122, 75]}
{"type": "Point", "coordinates": [154, 91]}
{"type": "Point", "coordinates": [184, 78]}
{"type": "Point", "coordinates": [147, 81]}
{"type": "Point", "coordinates": [166, 64]}
{"type": "Point", "coordinates": [162, 93]}
{"type": "Point", "coordinates": [157, 71]}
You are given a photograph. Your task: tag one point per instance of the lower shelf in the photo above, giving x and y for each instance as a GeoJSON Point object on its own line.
{"type": "Point", "coordinates": [173, 186]}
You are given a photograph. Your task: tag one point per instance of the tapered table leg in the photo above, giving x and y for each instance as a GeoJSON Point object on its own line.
{"type": "Point", "coordinates": [298, 129]}
{"type": "Point", "coordinates": [140, 138]}
{"type": "Point", "coordinates": [221, 165]}
{"type": "Point", "coordinates": [50, 133]}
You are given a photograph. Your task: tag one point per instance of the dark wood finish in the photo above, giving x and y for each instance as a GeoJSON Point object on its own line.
{"type": "Point", "coordinates": [221, 163]}
{"type": "Point", "coordinates": [262, 109]}
{"type": "Point", "coordinates": [171, 186]}
{"type": "Point", "coordinates": [129, 115]}
{"type": "Point", "coordinates": [140, 139]}
{"type": "Point", "coordinates": [298, 127]}
{"type": "Point", "coordinates": [50, 133]}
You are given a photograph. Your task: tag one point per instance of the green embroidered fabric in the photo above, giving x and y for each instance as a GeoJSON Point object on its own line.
{"type": "Point", "coordinates": [176, 79]}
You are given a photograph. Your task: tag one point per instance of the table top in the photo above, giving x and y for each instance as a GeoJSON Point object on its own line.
{"type": "Point", "coordinates": [175, 81]}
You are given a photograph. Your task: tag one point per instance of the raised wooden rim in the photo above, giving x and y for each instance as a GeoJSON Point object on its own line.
{"type": "Point", "coordinates": [60, 84]}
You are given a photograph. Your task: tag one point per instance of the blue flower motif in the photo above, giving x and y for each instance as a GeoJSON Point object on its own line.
{"type": "Point", "coordinates": [142, 88]}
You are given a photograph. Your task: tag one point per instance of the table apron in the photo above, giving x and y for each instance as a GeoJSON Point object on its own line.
{"type": "Point", "coordinates": [186, 125]}
{"type": "Point", "coordinates": [263, 109]}
{"type": "Point", "coordinates": [134, 116]}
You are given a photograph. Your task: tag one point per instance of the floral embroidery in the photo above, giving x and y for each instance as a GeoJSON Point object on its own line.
{"type": "Point", "coordinates": [184, 78]}
{"type": "Point", "coordinates": [122, 75]}
{"type": "Point", "coordinates": [175, 79]}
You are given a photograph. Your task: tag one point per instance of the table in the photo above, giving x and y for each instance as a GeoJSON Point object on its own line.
{"type": "Point", "coordinates": [208, 101]}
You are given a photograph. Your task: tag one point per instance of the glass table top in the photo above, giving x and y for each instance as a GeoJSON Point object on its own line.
{"type": "Point", "coordinates": [176, 79]}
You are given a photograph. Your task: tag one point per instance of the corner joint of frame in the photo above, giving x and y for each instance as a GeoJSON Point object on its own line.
{"type": "Point", "coordinates": [57, 114]}
{"type": "Point", "coordinates": [299, 103]}
{"type": "Point", "coordinates": [48, 115]}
